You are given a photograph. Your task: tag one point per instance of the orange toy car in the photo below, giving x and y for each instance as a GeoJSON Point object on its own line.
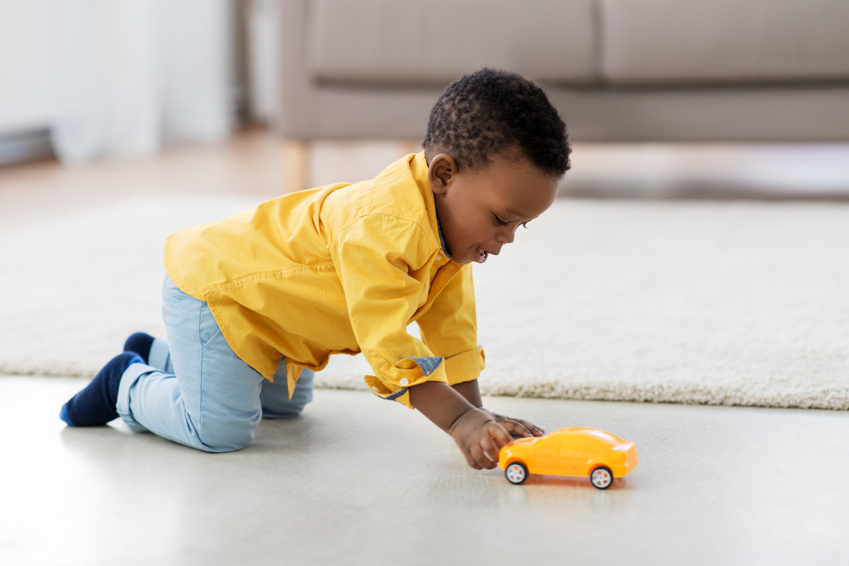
{"type": "Point", "coordinates": [574, 451]}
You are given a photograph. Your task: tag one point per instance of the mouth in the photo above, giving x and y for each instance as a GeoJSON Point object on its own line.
{"type": "Point", "coordinates": [482, 255]}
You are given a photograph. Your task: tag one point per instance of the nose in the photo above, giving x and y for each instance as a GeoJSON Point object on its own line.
{"type": "Point", "coordinates": [506, 235]}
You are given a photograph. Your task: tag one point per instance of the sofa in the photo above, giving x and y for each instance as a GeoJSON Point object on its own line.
{"type": "Point", "coordinates": [617, 70]}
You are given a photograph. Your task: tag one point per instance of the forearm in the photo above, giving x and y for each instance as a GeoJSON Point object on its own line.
{"type": "Point", "coordinates": [440, 403]}
{"type": "Point", "coordinates": [458, 411]}
{"type": "Point", "coordinates": [470, 391]}
{"type": "Point", "coordinates": [474, 430]}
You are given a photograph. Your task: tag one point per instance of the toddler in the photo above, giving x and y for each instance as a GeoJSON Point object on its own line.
{"type": "Point", "coordinates": [255, 303]}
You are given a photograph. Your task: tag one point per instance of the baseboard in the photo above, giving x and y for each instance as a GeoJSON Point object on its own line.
{"type": "Point", "coordinates": [20, 147]}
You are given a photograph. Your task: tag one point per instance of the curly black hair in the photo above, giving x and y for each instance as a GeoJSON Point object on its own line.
{"type": "Point", "coordinates": [493, 112]}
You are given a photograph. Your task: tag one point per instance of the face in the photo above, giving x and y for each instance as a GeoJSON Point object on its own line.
{"type": "Point", "coordinates": [480, 209]}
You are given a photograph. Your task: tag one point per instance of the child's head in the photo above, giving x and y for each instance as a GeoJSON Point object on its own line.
{"type": "Point", "coordinates": [492, 112]}
{"type": "Point", "coordinates": [496, 150]}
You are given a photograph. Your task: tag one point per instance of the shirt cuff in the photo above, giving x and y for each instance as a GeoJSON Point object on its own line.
{"type": "Point", "coordinates": [465, 366]}
{"type": "Point", "coordinates": [429, 368]}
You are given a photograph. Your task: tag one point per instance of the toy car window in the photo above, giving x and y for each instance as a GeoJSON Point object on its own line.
{"type": "Point", "coordinates": [602, 435]}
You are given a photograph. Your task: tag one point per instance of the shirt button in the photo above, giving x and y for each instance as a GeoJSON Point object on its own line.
{"type": "Point", "coordinates": [438, 257]}
{"type": "Point", "coordinates": [375, 389]}
{"type": "Point", "coordinates": [405, 381]}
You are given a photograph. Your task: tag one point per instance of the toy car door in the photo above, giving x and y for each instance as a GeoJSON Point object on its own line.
{"type": "Point", "coordinates": [544, 458]}
{"type": "Point", "coordinates": [573, 457]}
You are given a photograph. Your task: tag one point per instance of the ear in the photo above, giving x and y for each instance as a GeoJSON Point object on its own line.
{"type": "Point", "coordinates": [441, 173]}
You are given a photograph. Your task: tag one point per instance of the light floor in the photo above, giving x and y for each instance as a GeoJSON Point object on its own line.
{"type": "Point", "coordinates": [357, 480]}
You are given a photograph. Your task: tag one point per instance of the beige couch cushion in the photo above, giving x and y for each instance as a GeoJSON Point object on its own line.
{"type": "Point", "coordinates": [435, 42]}
{"type": "Point", "coordinates": [724, 41]}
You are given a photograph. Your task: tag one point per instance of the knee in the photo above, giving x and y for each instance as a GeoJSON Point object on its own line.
{"type": "Point", "coordinates": [226, 438]}
{"type": "Point", "coordinates": [291, 408]}
{"type": "Point", "coordinates": [299, 400]}
{"type": "Point", "coordinates": [288, 412]}
{"type": "Point", "coordinates": [302, 393]}
{"type": "Point", "coordinates": [276, 403]}
{"type": "Point", "coordinates": [222, 445]}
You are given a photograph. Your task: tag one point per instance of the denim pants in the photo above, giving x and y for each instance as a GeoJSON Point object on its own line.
{"type": "Point", "coordinates": [196, 391]}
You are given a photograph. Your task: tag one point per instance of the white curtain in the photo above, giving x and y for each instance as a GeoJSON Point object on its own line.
{"type": "Point", "coordinates": [133, 74]}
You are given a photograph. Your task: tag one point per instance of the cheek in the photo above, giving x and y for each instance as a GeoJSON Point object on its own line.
{"type": "Point", "coordinates": [473, 232]}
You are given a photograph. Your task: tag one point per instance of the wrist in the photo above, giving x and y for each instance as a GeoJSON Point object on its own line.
{"type": "Point", "coordinates": [440, 403]}
{"type": "Point", "coordinates": [462, 419]}
{"type": "Point", "coordinates": [470, 391]}
{"type": "Point", "coordinates": [471, 419]}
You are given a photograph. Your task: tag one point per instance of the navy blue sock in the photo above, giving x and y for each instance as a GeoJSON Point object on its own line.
{"type": "Point", "coordinates": [139, 343]}
{"type": "Point", "coordinates": [96, 404]}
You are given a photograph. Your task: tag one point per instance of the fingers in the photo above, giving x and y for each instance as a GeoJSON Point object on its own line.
{"type": "Point", "coordinates": [519, 427]}
{"type": "Point", "coordinates": [530, 428]}
{"type": "Point", "coordinates": [482, 453]}
{"type": "Point", "coordinates": [481, 438]}
{"type": "Point", "coordinates": [476, 459]}
{"type": "Point", "coordinates": [481, 458]}
{"type": "Point", "coordinates": [499, 436]}
{"type": "Point", "coordinates": [486, 452]}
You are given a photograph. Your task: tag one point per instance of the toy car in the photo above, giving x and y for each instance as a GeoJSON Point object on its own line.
{"type": "Point", "coordinates": [574, 451]}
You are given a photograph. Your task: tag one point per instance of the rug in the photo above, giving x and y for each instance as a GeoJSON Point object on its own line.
{"type": "Point", "coordinates": [726, 303]}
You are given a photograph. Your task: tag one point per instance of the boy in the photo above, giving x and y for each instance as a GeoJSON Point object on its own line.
{"type": "Point", "coordinates": [255, 303]}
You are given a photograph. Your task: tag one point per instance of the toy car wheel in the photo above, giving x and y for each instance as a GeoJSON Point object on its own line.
{"type": "Point", "coordinates": [601, 477]}
{"type": "Point", "coordinates": [516, 473]}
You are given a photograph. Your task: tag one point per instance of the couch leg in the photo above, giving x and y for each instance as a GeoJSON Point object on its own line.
{"type": "Point", "coordinates": [295, 166]}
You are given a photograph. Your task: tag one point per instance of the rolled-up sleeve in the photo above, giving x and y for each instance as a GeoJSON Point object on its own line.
{"type": "Point", "coordinates": [375, 258]}
{"type": "Point", "coordinates": [449, 329]}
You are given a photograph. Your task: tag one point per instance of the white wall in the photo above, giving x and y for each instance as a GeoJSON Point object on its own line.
{"type": "Point", "coordinates": [25, 50]}
{"type": "Point", "coordinates": [262, 46]}
{"type": "Point", "coordinates": [115, 78]}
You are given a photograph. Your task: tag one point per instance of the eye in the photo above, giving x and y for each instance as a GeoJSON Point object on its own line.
{"type": "Point", "coordinates": [498, 220]}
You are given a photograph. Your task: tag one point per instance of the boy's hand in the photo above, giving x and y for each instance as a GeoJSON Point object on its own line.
{"type": "Point", "coordinates": [516, 427]}
{"type": "Point", "coordinates": [480, 438]}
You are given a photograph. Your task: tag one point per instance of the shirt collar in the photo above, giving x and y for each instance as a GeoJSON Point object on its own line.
{"type": "Point", "coordinates": [418, 166]}
{"type": "Point", "coordinates": [442, 239]}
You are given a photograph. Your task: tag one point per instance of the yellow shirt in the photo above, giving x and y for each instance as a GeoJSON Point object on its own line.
{"type": "Point", "coordinates": [338, 269]}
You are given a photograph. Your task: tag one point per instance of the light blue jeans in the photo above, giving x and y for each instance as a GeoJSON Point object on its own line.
{"type": "Point", "coordinates": [196, 391]}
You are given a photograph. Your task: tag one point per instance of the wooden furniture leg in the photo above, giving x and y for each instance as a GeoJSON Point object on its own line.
{"type": "Point", "coordinates": [295, 166]}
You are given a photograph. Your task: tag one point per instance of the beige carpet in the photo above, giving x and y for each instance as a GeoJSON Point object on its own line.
{"type": "Point", "coordinates": [693, 302]}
